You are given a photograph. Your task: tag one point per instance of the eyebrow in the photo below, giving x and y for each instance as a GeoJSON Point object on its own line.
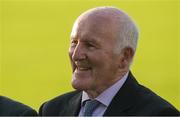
{"type": "Point", "coordinates": [90, 39]}
{"type": "Point", "coordinates": [87, 39]}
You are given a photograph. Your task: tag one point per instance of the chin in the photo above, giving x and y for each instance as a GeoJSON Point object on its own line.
{"type": "Point", "coordinates": [78, 84]}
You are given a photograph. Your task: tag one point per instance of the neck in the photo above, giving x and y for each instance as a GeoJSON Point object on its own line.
{"type": "Point", "coordinates": [94, 93]}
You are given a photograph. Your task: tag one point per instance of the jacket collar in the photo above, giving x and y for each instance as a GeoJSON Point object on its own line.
{"type": "Point", "coordinates": [124, 99]}
{"type": "Point", "coordinates": [121, 103]}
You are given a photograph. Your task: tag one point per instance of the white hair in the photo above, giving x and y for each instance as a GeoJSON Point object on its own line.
{"type": "Point", "coordinates": [128, 33]}
{"type": "Point", "coordinates": [127, 30]}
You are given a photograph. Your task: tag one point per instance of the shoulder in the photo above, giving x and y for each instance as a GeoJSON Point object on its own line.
{"type": "Point", "coordinates": [62, 98]}
{"type": "Point", "coordinates": [143, 101]}
{"type": "Point", "coordinates": [9, 107]}
{"type": "Point", "coordinates": [153, 103]}
{"type": "Point", "coordinates": [54, 105]}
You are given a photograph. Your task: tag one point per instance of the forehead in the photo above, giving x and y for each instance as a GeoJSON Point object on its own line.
{"type": "Point", "coordinates": [94, 29]}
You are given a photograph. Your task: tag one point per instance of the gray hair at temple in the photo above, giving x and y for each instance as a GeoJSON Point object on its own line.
{"type": "Point", "coordinates": [127, 34]}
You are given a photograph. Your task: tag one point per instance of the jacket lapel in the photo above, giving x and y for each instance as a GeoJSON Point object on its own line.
{"type": "Point", "coordinates": [73, 105]}
{"type": "Point", "coordinates": [124, 99]}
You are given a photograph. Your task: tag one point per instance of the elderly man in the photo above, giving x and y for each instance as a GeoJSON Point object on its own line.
{"type": "Point", "coordinates": [9, 107]}
{"type": "Point", "coordinates": [103, 43]}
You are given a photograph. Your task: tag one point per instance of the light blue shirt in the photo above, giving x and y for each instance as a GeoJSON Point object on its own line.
{"type": "Point", "coordinates": [104, 98]}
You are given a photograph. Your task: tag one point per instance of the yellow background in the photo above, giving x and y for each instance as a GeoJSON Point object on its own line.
{"type": "Point", "coordinates": [34, 40]}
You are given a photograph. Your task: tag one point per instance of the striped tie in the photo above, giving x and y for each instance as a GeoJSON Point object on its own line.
{"type": "Point", "coordinates": [89, 107]}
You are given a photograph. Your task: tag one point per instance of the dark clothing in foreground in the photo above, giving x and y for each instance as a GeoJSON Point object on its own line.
{"type": "Point", "coordinates": [131, 99]}
{"type": "Point", "coordinates": [9, 107]}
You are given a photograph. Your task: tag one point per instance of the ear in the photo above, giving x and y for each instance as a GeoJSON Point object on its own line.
{"type": "Point", "coordinates": [126, 57]}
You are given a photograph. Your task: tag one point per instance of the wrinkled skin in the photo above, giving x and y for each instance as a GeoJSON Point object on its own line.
{"type": "Point", "coordinates": [96, 64]}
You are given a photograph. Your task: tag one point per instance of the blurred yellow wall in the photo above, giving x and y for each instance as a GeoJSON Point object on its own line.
{"type": "Point", "coordinates": [34, 40]}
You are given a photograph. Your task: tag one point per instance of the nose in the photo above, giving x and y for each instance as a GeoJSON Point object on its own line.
{"type": "Point", "coordinates": [78, 53]}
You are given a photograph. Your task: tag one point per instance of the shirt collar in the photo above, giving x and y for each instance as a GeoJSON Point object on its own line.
{"type": "Point", "coordinates": [106, 96]}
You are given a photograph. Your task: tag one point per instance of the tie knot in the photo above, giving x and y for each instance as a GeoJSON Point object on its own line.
{"type": "Point", "coordinates": [90, 106]}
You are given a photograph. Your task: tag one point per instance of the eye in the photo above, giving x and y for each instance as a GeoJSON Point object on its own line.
{"type": "Point", "coordinates": [90, 45]}
{"type": "Point", "coordinates": [74, 42]}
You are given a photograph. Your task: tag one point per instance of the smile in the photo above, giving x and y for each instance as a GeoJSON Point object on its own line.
{"type": "Point", "coordinates": [83, 68]}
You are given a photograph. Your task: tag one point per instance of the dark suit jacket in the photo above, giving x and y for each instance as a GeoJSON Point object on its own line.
{"type": "Point", "coordinates": [131, 99]}
{"type": "Point", "coordinates": [10, 107]}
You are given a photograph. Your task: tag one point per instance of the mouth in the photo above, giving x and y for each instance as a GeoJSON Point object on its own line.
{"type": "Point", "coordinates": [81, 67]}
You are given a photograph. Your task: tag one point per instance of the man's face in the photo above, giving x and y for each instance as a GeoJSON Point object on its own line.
{"type": "Point", "coordinates": [92, 55]}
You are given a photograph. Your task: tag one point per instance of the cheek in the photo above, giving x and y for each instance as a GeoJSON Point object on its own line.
{"type": "Point", "coordinates": [103, 65]}
{"type": "Point", "coordinates": [101, 61]}
{"type": "Point", "coordinates": [99, 67]}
